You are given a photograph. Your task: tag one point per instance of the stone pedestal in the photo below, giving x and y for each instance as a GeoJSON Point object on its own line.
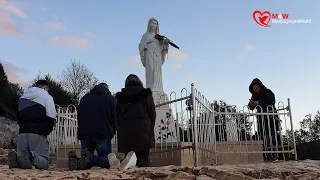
{"type": "Point", "coordinates": [160, 97]}
{"type": "Point", "coordinates": [239, 152]}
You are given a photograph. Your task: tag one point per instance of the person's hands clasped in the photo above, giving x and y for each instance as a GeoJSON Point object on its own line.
{"type": "Point", "coordinates": [253, 103]}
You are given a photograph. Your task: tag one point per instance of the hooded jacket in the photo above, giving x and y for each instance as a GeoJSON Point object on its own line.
{"type": "Point", "coordinates": [36, 112]}
{"type": "Point", "coordinates": [97, 113]}
{"type": "Point", "coordinates": [136, 119]}
{"type": "Point", "coordinates": [265, 97]}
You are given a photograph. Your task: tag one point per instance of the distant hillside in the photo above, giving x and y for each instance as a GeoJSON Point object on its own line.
{"type": "Point", "coordinates": [8, 132]}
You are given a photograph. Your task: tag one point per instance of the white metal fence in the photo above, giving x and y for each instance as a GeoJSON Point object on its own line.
{"type": "Point", "coordinates": [65, 129]}
{"type": "Point", "coordinates": [270, 127]}
{"type": "Point", "coordinates": [190, 122]}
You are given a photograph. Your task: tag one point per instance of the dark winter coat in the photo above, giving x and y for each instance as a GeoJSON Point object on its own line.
{"type": "Point", "coordinates": [97, 114]}
{"type": "Point", "coordinates": [266, 97]}
{"type": "Point", "coordinates": [136, 119]}
{"type": "Point", "coordinates": [267, 102]}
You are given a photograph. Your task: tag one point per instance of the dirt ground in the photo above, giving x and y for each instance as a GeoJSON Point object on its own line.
{"type": "Point", "coordinates": [295, 170]}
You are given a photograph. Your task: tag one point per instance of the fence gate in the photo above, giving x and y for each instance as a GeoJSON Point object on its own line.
{"type": "Point", "coordinates": [184, 127]}
{"type": "Point", "coordinates": [203, 127]}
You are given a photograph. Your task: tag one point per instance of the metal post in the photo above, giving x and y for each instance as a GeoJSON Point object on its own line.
{"type": "Point", "coordinates": [195, 124]}
{"type": "Point", "coordinates": [293, 135]}
{"type": "Point", "coordinates": [214, 138]}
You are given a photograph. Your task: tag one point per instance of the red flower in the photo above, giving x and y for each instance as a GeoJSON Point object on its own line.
{"type": "Point", "coordinates": [168, 121]}
{"type": "Point", "coordinates": [162, 121]}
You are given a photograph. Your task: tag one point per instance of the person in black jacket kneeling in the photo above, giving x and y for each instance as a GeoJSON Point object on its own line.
{"type": "Point", "coordinates": [96, 128]}
{"type": "Point", "coordinates": [136, 120]}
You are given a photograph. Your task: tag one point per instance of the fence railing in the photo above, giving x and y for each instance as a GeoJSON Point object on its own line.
{"type": "Point", "coordinates": [65, 129]}
{"type": "Point", "coordinates": [191, 123]}
{"type": "Point", "coordinates": [268, 127]}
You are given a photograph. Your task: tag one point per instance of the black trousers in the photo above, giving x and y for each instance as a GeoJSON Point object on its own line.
{"type": "Point", "coordinates": [269, 126]}
{"type": "Point", "coordinates": [143, 158]}
{"type": "Point", "coordinates": [269, 132]}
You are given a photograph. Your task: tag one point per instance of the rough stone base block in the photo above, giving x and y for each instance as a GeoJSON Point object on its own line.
{"type": "Point", "coordinates": [232, 153]}
{"type": "Point", "coordinates": [63, 151]}
{"type": "Point", "coordinates": [181, 154]}
{"type": "Point", "coordinates": [159, 98]}
{"type": "Point", "coordinates": [3, 160]}
{"type": "Point", "coordinates": [171, 154]}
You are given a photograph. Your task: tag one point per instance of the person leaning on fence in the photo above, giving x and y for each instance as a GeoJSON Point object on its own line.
{"type": "Point", "coordinates": [136, 119]}
{"type": "Point", "coordinates": [263, 100]}
{"type": "Point", "coordinates": [36, 119]}
{"type": "Point", "coordinates": [96, 128]}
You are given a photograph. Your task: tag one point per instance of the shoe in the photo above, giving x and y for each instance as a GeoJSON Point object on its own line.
{"type": "Point", "coordinates": [84, 160]}
{"type": "Point", "coordinates": [129, 162]}
{"type": "Point", "coordinates": [113, 161]}
{"type": "Point", "coordinates": [13, 159]}
{"type": "Point", "coordinates": [25, 160]}
{"type": "Point", "coordinates": [72, 161]}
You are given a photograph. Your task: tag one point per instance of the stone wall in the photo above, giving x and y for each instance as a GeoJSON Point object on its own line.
{"type": "Point", "coordinates": [182, 154]}
{"type": "Point", "coordinates": [232, 153]}
{"type": "Point", "coordinates": [8, 132]}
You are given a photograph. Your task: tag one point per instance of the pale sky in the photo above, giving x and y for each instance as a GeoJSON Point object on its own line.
{"type": "Point", "coordinates": [222, 47]}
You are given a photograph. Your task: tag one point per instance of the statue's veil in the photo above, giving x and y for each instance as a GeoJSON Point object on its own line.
{"type": "Point", "coordinates": [157, 29]}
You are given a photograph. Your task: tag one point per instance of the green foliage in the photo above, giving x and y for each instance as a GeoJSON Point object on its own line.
{"type": "Point", "coordinates": [3, 86]}
{"type": "Point", "coordinates": [309, 128]}
{"type": "Point", "coordinates": [14, 92]}
{"type": "Point", "coordinates": [9, 95]}
{"type": "Point", "coordinates": [3, 79]}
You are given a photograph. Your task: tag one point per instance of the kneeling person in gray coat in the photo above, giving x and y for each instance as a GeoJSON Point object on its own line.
{"type": "Point", "coordinates": [36, 118]}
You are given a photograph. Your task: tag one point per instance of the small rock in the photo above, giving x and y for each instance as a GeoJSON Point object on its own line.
{"type": "Point", "coordinates": [142, 172]}
{"type": "Point", "coordinates": [181, 175]}
{"type": "Point", "coordinates": [204, 177]}
{"type": "Point", "coordinates": [203, 171]}
{"type": "Point", "coordinates": [234, 176]}
{"type": "Point", "coordinates": [214, 173]}
{"type": "Point", "coordinates": [2, 151]}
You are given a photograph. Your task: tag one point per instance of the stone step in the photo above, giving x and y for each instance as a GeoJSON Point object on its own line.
{"type": "Point", "coordinates": [52, 159]}
{"type": "Point", "coordinates": [3, 160]}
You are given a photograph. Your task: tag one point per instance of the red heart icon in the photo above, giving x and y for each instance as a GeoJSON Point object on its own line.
{"type": "Point", "coordinates": [262, 17]}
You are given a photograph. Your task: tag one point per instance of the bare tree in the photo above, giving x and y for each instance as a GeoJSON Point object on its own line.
{"type": "Point", "coordinates": [77, 79]}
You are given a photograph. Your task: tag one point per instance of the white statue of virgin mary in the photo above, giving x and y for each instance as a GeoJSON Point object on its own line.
{"type": "Point", "coordinates": [153, 54]}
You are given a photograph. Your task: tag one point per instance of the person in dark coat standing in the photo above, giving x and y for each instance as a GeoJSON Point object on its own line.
{"type": "Point", "coordinates": [136, 119]}
{"type": "Point", "coordinates": [96, 128]}
{"type": "Point", "coordinates": [263, 100]}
